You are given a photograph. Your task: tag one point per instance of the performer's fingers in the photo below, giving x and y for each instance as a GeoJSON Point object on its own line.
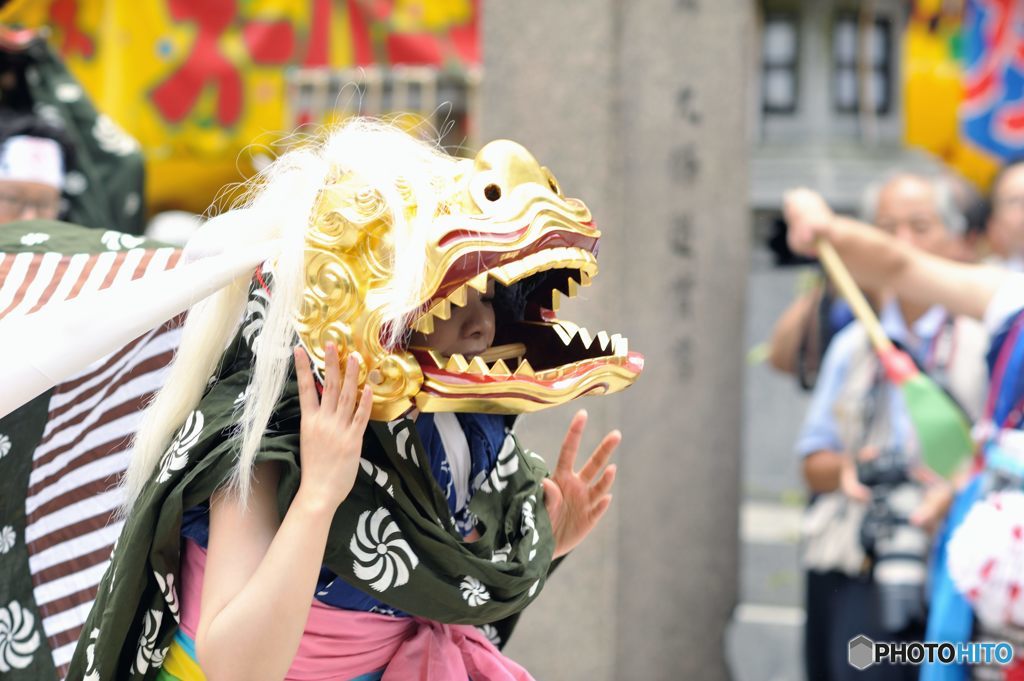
{"type": "Point", "coordinates": [571, 444]}
{"type": "Point", "coordinates": [552, 498]}
{"type": "Point", "coordinates": [350, 387]}
{"type": "Point", "coordinates": [362, 415]}
{"type": "Point", "coordinates": [601, 456]}
{"type": "Point", "coordinates": [605, 482]}
{"type": "Point", "coordinates": [332, 378]}
{"type": "Point", "coordinates": [601, 508]}
{"type": "Point", "coordinates": [307, 387]}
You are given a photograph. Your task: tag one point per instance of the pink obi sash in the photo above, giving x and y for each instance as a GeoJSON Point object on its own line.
{"type": "Point", "coordinates": [345, 644]}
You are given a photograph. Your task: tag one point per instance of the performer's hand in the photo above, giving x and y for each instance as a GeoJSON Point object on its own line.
{"type": "Point", "coordinates": [331, 430]}
{"type": "Point", "coordinates": [807, 218]}
{"type": "Point", "coordinates": [576, 501]}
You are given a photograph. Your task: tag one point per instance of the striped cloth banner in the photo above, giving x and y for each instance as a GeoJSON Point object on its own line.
{"type": "Point", "coordinates": [65, 528]}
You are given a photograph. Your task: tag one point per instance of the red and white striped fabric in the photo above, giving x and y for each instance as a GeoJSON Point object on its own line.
{"type": "Point", "coordinates": [92, 417]}
{"type": "Point", "coordinates": [29, 281]}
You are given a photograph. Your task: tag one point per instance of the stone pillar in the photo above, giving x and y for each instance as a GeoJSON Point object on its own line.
{"type": "Point", "coordinates": [639, 107]}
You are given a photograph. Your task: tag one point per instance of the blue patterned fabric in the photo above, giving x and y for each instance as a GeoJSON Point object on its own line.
{"type": "Point", "coordinates": [485, 434]}
{"type": "Point", "coordinates": [950, 616]}
{"type": "Point", "coordinates": [1012, 388]}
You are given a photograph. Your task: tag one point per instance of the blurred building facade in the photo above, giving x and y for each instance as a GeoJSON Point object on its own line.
{"type": "Point", "coordinates": [827, 101]}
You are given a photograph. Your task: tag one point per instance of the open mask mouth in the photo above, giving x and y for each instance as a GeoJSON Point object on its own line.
{"type": "Point", "coordinates": [536, 360]}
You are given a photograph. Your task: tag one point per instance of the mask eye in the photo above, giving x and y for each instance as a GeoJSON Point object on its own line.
{"type": "Point", "coordinates": [552, 182]}
{"type": "Point", "coordinates": [486, 190]}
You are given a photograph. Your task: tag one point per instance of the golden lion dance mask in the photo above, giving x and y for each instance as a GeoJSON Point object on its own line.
{"type": "Point", "coordinates": [505, 219]}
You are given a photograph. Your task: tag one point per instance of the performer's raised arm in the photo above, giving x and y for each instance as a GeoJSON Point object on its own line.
{"type": "Point", "coordinates": [879, 260]}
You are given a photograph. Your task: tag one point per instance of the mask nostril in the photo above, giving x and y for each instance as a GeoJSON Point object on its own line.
{"type": "Point", "coordinates": [492, 192]}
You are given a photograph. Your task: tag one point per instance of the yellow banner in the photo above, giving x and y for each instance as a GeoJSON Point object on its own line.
{"type": "Point", "coordinates": [203, 83]}
{"type": "Point", "coordinates": [933, 89]}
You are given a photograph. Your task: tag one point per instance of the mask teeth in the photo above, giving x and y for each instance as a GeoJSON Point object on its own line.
{"type": "Point", "coordinates": [424, 324]}
{"type": "Point", "coordinates": [505, 274]}
{"type": "Point", "coordinates": [500, 369]}
{"type": "Point", "coordinates": [501, 274]}
{"type": "Point", "coordinates": [524, 370]}
{"type": "Point", "coordinates": [556, 299]}
{"type": "Point", "coordinates": [458, 296]}
{"type": "Point", "coordinates": [479, 282]}
{"type": "Point", "coordinates": [549, 259]}
{"type": "Point", "coordinates": [457, 364]}
{"type": "Point", "coordinates": [565, 331]}
{"type": "Point", "coordinates": [442, 309]}
{"type": "Point", "coordinates": [585, 337]}
{"type": "Point", "coordinates": [621, 347]}
{"type": "Point", "coordinates": [568, 331]}
{"type": "Point", "coordinates": [477, 366]}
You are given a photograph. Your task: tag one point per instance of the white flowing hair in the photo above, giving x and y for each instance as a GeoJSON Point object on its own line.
{"type": "Point", "coordinates": [281, 206]}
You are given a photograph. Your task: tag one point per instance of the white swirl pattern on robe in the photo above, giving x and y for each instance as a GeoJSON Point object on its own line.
{"type": "Point", "coordinates": [383, 558]}
{"type": "Point", "coordinates": [147, 656]}
{"type": "Point", "coordinates": [19, 639]}
{"type": "Point", "coordinates": [176, 456]}
{"type": "Point", "coordinates": [474, 592]}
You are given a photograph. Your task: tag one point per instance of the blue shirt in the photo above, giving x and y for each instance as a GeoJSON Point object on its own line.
{"type": "Point", "coordinates": [820, 430]}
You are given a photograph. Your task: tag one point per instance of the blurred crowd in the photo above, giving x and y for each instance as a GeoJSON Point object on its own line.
{"type": "Point", "coordinates": [936, 261]}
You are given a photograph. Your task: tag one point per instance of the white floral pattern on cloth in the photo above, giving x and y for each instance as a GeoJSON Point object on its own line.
{"type": "Point", "coordinates": [90, 657]}
{"type": "Point", "coordinates": [502, 555]}
{"type": "Point", "coordinates": [115, 241]}
{"type": "Point", "coordinates": [132, 203]}
{"type": "Point", "coordinates": [49, 114]}
{"type": "Point", "coordinates": [19, 639]}
{"type": "Point", "coordinates": [68, 92]}
{"type": "Point", "coordinates": [491, 633]}
{"type": "Point", "coordinates": [383, 558]}
{"type": "Point", "coordinates": [401, 429]}
{"type": "Point", "coordinates": [533, 588]}
{"type": "Point", "coordinates": [166, 585]}
{"type": "Point", "coordinates": [507, 466]}
{"type": "Point", "coordinates": [176, 456]}
{"type": "Point", "coordinates": [147, 655]}
{"type": "Point", "coordinates": [7, 538]}
{"type": "Point", "coordinates": [5, 445]}
{"type": "Point", "coordinates": [474, 592]}
{"type": "Point", "coordinates": [255, 317]}
{"type": "Point", "coordinates": [378, 475]}
{"type": "Point", "coordinates": [986, 559]}
{"type": "Point", "coordinates": [75, 183]}
{"type": "Point", "coordinates": [34, 238]}
{"type": "Point", "coordinates": [529, 525]}
{"type": "Point", "coordinates": [111, 138]}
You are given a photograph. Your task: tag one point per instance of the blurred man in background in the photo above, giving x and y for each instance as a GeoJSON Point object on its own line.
{"type": "Point", "coordinates": [1004, 229]}
{"type": "Point", "coordinates": [872, 507]}
{"type": "Point", "coordinates": [33, 166]}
